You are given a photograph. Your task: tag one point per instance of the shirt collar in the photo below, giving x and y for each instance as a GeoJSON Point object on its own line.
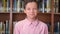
{"type": "Point", "coordinates": [35, 22]}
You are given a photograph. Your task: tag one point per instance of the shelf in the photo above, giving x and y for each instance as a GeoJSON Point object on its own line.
{"type": "Point", "coordinates": [24, 13]}
{"type": "Point", "coordinates": [43, 13]}
{"type": "Point", "coordinates": [41, 16]}
{"type": "Point", "coordinates": [4, 16]}
{"type": "Point", "coordinates": [4, 12]}
{"type": "Point", "coordinates": [57, 17]}
{"type": "Point", "coordinates": [57, 13]}
{"type": "Point", "coordinates": [17, 12]}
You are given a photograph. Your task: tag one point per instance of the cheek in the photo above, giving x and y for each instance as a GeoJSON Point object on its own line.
{"type": "Point", "coordinates": [27, 12]}
{"type": "Point", "coordinates": [36, 12]}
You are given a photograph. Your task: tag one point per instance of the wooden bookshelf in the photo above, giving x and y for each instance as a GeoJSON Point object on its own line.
{"type": "Point", "coordinates": [4, 16]}
{"type": "Point", "coordinates": [41, 16]}
{"type": "Point", "coordinates": [17, 16]}
{"type": "Point", "coordinates": [4, 12]}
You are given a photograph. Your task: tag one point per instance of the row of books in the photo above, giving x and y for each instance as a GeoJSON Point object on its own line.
{"type": "Point", "coordinates": [56, 27]}
{"type": "Point", "coordinates": [43, 5]}
{"type": "Point", "coordinates": [56, 6]}
{"type": "Point", "coordinates": [4, 27]}
{"type": "Point", "coordinates": [4, 5]}
{"type": "Point", "coordinates": [18, 5]}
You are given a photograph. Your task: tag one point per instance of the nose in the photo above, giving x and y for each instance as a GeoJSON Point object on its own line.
{"type": "Point", "coordinates": [32, 10]}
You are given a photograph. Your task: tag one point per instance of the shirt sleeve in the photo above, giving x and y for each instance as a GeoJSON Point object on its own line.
{"type": "Point", "coordinates": [16, 31]}
{"type": "Point", "coordinates": [46, 30]}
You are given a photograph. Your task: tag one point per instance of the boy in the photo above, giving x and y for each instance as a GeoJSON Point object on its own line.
{"type": "Point", "coordinates": [31, 24]}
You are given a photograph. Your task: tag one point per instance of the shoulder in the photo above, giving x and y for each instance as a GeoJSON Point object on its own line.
{"type": "Point", "coordinates": [19, 23]}
{"type": "Point", "coordinates": [42, 24]}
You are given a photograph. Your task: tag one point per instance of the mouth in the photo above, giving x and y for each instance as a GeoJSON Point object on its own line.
{"type": "Point", "coordinates": [32, 14]}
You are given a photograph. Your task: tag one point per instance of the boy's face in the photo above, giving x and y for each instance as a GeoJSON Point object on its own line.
{"type": "Point", "coordinates": [31, 9]}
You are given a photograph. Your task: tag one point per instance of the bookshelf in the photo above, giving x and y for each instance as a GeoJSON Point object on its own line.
{"type": "Point", "coordinates": [14, 12]}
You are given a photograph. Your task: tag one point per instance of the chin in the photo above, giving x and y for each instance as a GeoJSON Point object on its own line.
{"type": "Point", "coordinates": [32, 17]}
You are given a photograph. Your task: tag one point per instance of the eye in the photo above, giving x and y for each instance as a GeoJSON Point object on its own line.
{"type": "Point", "coordinates": [35, 8]}
{"type": "Point", "coordinates": [28, 8]}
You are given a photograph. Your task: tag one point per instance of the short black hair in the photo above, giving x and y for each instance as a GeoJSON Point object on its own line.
{"type": "Point", "coordinates": [27, 1]}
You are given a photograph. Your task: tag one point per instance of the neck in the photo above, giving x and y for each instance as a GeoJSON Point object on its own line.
{"type": "Point", "coordinates": [31, 19]}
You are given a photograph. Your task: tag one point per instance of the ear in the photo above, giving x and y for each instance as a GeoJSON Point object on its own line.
{"type": "Point", "coordinates": [24, 11]}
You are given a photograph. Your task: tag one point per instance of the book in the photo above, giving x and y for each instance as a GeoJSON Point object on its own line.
{"type": "Point", "coordinates": [56, 5]}
{"type": "Point", "coordinates": [6, 27]}
{"type": "Point", "coordinates": [0, 5]}
{"type": "Point", "coordinates": [56, 27]}
{"type": "Point", "coordinates": [22, 6]}
{"type": "Point", "coordinates": [19, 5]}
{"type": "Point", "coordinates": [4, 5]}
{"type": "Point", "coordinates": [39, 5]}
{"type": "Point", "coordinates": [8, 5]}
{"type": "Point", "coordinates": [14, 5]}
{"type": "Point", "coordinates": [59, 27]}
{"type": "Point", "coordinates": [0, 32]}
{"type": "Point", "coordinates": [18, 8]}
{"type": "Point", "coordinates": [0, 26]}
{"type": "Point", "coordinates": [48, 5]}
{"type": "Point", "coordinates": [43, 9]}
{"type": "Point", "coordinates": [44, 6]}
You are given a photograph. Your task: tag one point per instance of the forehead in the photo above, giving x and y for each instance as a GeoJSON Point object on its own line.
{"type": "Point", "coordinates": [31, 4]}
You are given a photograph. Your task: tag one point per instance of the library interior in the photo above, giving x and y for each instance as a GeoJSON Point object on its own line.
{"type": "Point", "coordinates": [11, 11]}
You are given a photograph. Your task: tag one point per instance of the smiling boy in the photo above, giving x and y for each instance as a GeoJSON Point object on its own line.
{"type": "Point", "coordinates": [31, 24]}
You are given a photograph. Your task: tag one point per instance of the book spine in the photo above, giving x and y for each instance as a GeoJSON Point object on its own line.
{"type": "Point", "coordinates": [18, 6]}
{"type": "Point", "coordinates": [0, 5]}
{"type": "Point", "coordinates": [0, 26]}
{"type": "Point", "coordinates": [7, 27]}
{"type": "Point", "coordinates": [22, 5]}
{"type": "Point", "coordinates": [4, 27]}
{"type": "Point", "coordinates": [4, 5]}
{"type": "Point", "coordinates": [58, 27]}
{"type": "Point", "coordinates": [8, 2]}
{"type": "Point", "coordinates": [14, 5]}
{"type": "Point", "coordinates": [43, 6]}
{"type": "Point", "coordinates": [56, 5]}
{"type": "Point", "coordinates": [39, 5]}
{"type": "Point", "coordinates": [48, 6]}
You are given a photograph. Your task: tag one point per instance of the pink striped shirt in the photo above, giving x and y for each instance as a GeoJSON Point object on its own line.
{"type": "Point", "coordinates": [27, 27]}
